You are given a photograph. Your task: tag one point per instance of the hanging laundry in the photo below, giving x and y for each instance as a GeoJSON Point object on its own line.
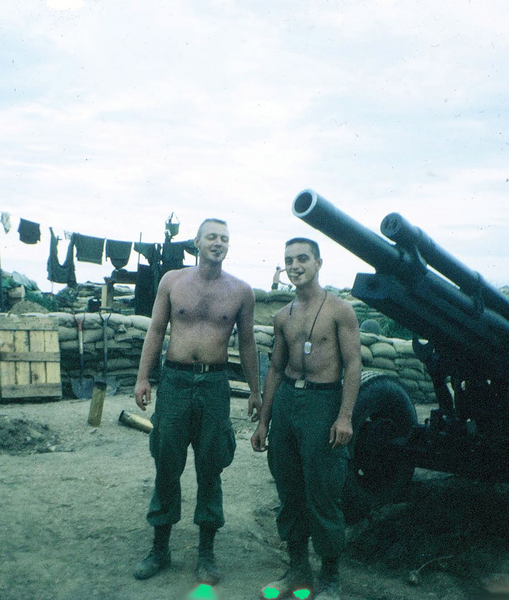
{"type": "Point", "coordinates": [152, 252]}
{"type": "Point", "coordinates": [5, 219]}
{"type": "Point", "coordinates": [29, 232]}
{"type": "Point", "coordinates": [61, 273]}
{"type": "Point", "coordinates": [118, 252]}
{"type": "Point", "coordinates": [89, 249]}
{"type": "Point", "coordinates": [173, 256]}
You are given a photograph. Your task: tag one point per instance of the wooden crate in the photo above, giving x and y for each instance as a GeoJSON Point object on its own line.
{"type": "Point", "coordinates": [29, 358]}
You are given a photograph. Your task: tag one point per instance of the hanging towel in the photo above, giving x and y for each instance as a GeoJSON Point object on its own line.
{"type": "Point", "coordinates": [29, 232]}
{"type": "Point", "coordinates": [61, 273]}
{"type": "Point", "coordinates": [118, 252]}
{"type": "Point", "coordinates": [89, 249]}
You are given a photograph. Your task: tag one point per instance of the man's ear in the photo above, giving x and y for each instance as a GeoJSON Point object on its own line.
{"type": "Point", "coordinates": [320, 263]}
{"type": "Point", "coordinates": [196, 240]}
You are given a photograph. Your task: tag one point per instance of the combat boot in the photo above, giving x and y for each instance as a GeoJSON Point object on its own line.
{"type": "Point", "coordinates": [329, 586]}
{"type": "Point", "coordinates": [206, 569]}
{"type": "Point", "coordinates": [298, 577]}
{"type": "Point", "coordinates": [159, 556]}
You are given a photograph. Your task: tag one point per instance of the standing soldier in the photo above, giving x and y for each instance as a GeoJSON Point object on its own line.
{"type": "Point", "coordinates": [309, 393]}
{"type": "Point", "coordinates": [202, 304]}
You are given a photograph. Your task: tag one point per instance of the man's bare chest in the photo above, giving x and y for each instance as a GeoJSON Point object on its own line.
{"type": "Point", "coordinates": [215, 307]}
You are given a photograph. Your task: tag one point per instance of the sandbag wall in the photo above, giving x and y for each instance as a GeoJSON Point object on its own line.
{"type": "Point", "coordinates": [125, 336]}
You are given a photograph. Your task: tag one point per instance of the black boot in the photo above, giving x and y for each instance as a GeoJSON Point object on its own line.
{"type": "Point", "coordinates": [159, 557]}
{"type": "Point", "coordinates": [206, 570]}
{"type": "Point", "coordinates": [298, 577]}
{"type": "Point", "coordinates": [329, 586]}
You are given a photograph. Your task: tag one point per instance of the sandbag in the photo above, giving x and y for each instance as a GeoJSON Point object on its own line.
{"type": "Point", "coordinates": [366, 356]}
{"type": "Point", "coordinates": [67, 333]}
{"type": "Point", "coordinates": [383, 350]}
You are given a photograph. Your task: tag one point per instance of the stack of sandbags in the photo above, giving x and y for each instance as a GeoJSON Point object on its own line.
{"type": "Point", "coordinates": [364, 312]}
{"type": "Point", "coordinates": [396, 357]}
{"type": "Point", "coordinates": [268, 304]}
{"type": "Point", "coordinates": [264, 338]}
{"type": "Point", "coordinates": [125, 336]}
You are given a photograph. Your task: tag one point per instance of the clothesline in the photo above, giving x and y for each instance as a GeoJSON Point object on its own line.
{"type": "Point", "coordinates": [91, 249]}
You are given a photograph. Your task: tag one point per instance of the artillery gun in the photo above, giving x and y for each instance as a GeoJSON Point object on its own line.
{"type": "Point", "coordinates": [460, 325]}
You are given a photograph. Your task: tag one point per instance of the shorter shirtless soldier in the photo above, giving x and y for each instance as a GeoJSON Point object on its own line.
{"type": "Point", "coordinates": [202, 304]}
{"type": "Point", "coordinates": [310, 391]}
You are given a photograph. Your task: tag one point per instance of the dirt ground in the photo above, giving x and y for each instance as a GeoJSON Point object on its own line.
{"type": "Point", "coordinates": [74, 500]}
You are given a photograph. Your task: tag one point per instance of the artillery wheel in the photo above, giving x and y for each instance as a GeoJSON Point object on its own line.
{"type": "Point", "coordinates": [383, 412]}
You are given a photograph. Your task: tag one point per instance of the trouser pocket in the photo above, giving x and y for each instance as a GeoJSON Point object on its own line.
{"type": "Point", "coordinates": [225, 446]}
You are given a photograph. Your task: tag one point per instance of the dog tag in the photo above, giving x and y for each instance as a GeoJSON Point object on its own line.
{"type": "Point", "coordinates": [307, 347]}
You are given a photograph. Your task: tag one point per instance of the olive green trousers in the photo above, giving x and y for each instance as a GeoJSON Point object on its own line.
{"type": "Point", "coordinates": [191, 409]}
{"type": "Point", "coordinates": [309, 475]}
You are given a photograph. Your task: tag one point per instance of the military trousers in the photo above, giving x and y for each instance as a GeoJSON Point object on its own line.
{"type": "Point", "coordinates": [309, 474]}
{"type": "Point", "coordinates": [191, 409]}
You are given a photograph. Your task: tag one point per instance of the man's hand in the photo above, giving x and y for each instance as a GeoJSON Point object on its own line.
{"type": "Point", "coordinates": [142, 391]}
{"type": "Point", "coordinates": [259, 438]}
{"type": "Point", "coordinates": [341, 432]}
{"type": "Point", "coordinates": [254, 407]}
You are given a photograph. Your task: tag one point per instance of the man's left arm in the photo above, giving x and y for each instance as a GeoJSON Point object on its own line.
{"type": "Point", "coordinates": [349, 345]}
{"type": "Point", "coordinates": [248, 353]}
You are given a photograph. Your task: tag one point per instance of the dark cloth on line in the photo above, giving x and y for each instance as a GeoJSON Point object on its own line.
{"type": "Point", "coordinates": [61, 273]}
{"type": "Point", "coordinates": [118, 252]}
{"type": "Point", "coordinates": [89, 249]}
{"type": "Point", "coordinates": [144, 291]}
{"type": "Point", "coordinates": [309, 474]}
{"type": "Point", "coordinates": [172, 256]}
{"type": "Point", "coordinates": [191, 409]}
{"type": "Point", "coordinates": [152, 252]}
{"type": "Point", "coordinates": [29, 232]}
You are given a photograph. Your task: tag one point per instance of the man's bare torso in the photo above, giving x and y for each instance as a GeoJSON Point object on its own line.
{"type": "Point", "coordinates": [323, 364]}
{"type": "Point", "coordinates": [202, 315]}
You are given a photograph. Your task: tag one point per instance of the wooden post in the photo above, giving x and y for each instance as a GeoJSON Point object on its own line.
{"type": "Point", "coordinates": [97, 403]}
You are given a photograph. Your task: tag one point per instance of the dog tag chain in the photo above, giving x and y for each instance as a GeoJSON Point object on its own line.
{"type": "Point", "coordinates": [308, 346]}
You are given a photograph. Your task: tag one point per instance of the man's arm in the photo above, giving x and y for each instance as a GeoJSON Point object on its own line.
{"type": "Point", "coordinates": [248, 353]}
{"type": "Point", "coordinates": [349, 345]}
{"type": "Point", "coordinates": [273, 379]}
{"type": "Point", "coordinates": [153, 343]}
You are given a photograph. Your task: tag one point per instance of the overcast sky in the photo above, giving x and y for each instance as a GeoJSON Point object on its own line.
{"type": "Point", "coordinates": [115, 113]}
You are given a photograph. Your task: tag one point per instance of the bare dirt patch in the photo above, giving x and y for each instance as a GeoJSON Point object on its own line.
{"type": "Point", "coordinates": [74, 500]}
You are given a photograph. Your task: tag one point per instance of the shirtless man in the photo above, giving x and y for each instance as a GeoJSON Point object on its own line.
{"type": "Point", "coordinates": [202, 304]}
{"type": "Point", "coordinates": [310, 391]}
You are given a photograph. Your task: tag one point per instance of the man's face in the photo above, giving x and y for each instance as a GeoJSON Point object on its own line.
{"type": "Point", "coordinates": [301, 265]}
{"type": "Point", "coordinates": [213, 242]}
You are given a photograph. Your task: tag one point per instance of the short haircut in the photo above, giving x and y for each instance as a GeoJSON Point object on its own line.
{"type": "Point", "coordinates": [200, 228]}
{"type": "Point", "coordinates": [315, 250]}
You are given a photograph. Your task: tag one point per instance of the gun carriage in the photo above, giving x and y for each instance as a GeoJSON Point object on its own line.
{"type": "Point", "coordinates": [460, 325]}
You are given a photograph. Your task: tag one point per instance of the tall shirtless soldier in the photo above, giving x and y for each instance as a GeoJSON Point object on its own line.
{"type": "Point", "coordinates": [202, 303]}
{"type": "Point", "coordinates": [310, 391]}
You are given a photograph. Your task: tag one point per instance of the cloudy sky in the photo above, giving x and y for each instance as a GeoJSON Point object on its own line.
{"type": "Point", "coordinates": [116, 113]}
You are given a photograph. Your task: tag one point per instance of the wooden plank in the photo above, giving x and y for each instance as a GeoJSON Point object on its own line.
{"type": "Point", "coordinates": [52, 348]}
{"type": "Point", "coordinates": [37, 370]}
{"type": "Point", "coordinates": [7, 370]}
{"type": "Point", "coordinates": [34, 324]}
{"type": "Point", "coordinates": [31, 391]}
{"type": "Point", "coordinates": [239, 386]}
{"type": "Point", "coordinates": [233, 356]}
{"type": "Point", "coordinates": [22, 367]}
{"type": "Point", "coordinates": [29, 356]}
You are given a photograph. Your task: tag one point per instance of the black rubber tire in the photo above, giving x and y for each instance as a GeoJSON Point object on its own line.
{"type": "Point", "coordinates": [383, 412]}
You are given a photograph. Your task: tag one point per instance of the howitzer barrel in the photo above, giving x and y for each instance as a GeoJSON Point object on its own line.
{"type": "Point", "coordinates": [361, 241]}
{"type": "Point", "coordinates": [406, 290]}
{"type": "Point", "coordinates": [398, 229]}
